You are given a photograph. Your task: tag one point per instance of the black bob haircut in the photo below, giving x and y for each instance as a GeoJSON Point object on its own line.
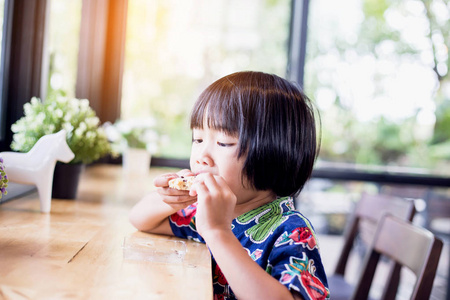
{"type": "Point", "coordinates": [274, 122]}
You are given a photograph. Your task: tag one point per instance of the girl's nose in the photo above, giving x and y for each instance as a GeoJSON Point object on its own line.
{"type": "Point", "coordinates": [204, 158]}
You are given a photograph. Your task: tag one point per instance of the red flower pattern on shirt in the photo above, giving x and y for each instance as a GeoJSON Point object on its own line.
{"type": "Point", "coordinates": [183, 217]}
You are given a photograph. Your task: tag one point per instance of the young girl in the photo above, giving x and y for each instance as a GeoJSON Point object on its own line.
{"type": "Point", "coordinates": [253, 149]}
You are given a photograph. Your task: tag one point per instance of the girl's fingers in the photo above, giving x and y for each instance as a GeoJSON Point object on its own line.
{"type": "Point", "coordinates": [185, 173]}
{"type": "Point", "coordinates": [211, 182]}
{"type": "Point", "coordinates": [193, 191]}
{"type": "Point", "coordinates": [199, 185]}
{"type": "Point", "coordinates": [179, 200]}
{"type": "Point", "coordinates": [197, 188]}
{"type": "Point", "coordinates": [215, 185]}
{"type": "Point", "coordinates": [179, 206]}
{"type": "Point", "coordinates": [163, 180]}
{"type": "Point", "coordinates": [166, 191]}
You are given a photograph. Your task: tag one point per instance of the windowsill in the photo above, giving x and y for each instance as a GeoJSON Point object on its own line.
{"type": "Point", "coordinates": [16, 190]}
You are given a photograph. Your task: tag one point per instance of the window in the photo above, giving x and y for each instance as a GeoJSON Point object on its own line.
{"type": "Point", "coordinates": [64, 34]}
{"type": "Point", "coordinates": [174, 49]}
{"type": "Point", "coordinates": [381, 73]}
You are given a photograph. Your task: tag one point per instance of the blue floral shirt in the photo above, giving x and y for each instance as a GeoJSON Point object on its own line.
{"type": "Point", "coordinates": [281, 240]}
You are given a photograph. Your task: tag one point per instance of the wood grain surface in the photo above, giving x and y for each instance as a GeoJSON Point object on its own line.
{"type": "Point", "coordinates": [87, 249]}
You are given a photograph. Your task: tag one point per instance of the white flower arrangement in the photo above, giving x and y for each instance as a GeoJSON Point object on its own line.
{"type": "Point", "coordinates": [133, 133]}
{"type": "Point", "coordinates": [85, 137]}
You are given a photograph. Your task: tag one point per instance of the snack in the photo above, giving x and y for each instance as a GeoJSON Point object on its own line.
{"type": "Point", "coordinates": [182, 183]}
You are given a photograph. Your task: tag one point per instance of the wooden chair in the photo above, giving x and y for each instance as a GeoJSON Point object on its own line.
{"type": "Point", "coordinates": [410, 246]}
{"type": "Point", "coordinates": [367, 213]}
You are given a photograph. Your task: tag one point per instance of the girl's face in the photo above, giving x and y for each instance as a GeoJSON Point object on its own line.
{"type": "Point", "coordinates": [216, 152]}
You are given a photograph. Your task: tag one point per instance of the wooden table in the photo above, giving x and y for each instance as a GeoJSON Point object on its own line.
{"type": "Point", "coordinates": [87, 249]}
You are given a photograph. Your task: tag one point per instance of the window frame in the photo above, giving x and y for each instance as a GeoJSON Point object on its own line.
{"type": "Point", "coordinates": [21, 60]}
{"type": "Point", "coordinates": [297, 40]}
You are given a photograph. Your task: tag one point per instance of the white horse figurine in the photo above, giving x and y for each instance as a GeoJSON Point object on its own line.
{"type": "Point", "coordinates": [37, 166]}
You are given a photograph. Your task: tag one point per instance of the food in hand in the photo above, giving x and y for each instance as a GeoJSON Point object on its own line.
{"type": "Point", "coordinates": [182, 183]}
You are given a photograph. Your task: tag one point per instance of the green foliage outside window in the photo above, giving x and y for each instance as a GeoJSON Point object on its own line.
{"type": "Point", "coordinates": [380, 78]}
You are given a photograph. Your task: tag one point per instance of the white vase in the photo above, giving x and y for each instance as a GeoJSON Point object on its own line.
{"type": "Point", "coordinates": [136, 161]}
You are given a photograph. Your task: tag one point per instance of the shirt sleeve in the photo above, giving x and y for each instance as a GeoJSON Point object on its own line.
{"type": "Point", "coordinates": [295, 261]}
{"type": "Point", "coordinates": [182, 224]}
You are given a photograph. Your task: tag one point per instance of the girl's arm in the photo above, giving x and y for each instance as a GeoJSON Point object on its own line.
{"type": "Point", "coordinates": [246, 278]}
{"type": "Point", "coordinates": [215, 210]}
{"type": "Point", "coordinates": [151, 213]}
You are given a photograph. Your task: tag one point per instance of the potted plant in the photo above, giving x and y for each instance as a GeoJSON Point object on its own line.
{"type": "Point", "coordinates": [136, 139]}
{"type": "Point", "coordinates": [85, 137]}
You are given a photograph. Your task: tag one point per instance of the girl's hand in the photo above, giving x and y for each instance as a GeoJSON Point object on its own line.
{"type": "Point", "coordinates": [216, 204]}
{"type": "Point", "coordinates": [175, 198]}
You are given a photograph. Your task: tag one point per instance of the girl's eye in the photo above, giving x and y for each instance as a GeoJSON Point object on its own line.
{"type": "Point", "coordinates": [197, 141]}
{"type": "Point", "coordinates": [225, 144]}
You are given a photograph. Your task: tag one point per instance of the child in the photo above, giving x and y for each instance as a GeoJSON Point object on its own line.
{"type": "Point", "coordinates": [253, 149]}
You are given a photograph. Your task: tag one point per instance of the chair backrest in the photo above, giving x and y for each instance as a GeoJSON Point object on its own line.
{"type": "Point", "coordinates": [410, 246]}
{"type": "Point", "coordinates": [368, 211]}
